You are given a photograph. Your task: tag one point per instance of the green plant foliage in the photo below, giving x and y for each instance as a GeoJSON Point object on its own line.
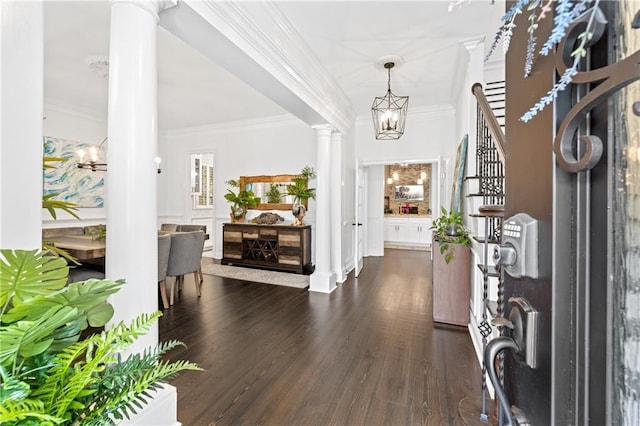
{"type": "Point", "coordinates": [98, 232]}
{"type": "Point", "coordinates": [448, 230]}
{"type": "Point", "coordinates": [299, 188]}
{"type": "Point", "coordinates": [48, 201]}
{"type": "Point", "coordinates": [24, 274]}
{"type": "Point", "coordinates": [48, 376]}
{"type": "Point", "coordinates": [241, 201]}
{"type": "Point", "coordinates": [52, 206]}
{"type": "Point", "coordinates": [308, 172]}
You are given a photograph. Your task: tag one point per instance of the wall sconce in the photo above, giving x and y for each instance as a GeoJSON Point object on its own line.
{"type": "Point", "coordinates": [395, 176]}
{"type": "Point", "coordinates": [158, 161]}
{"type": "Point", "coordinates": [389, 181]}
{"type": "Point", "coordinates": [423, 175]}
{"type": "Point", "coordinates": [93, 162]}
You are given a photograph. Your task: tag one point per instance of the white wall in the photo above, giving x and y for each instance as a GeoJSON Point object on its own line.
{"type": "Point", "coordinates": [280, 145]}
{"type": "Point", "coordinates": [429, 133]}
{"type": "Point", "coordinates": [429, 136]}
{"type": "Point", "coordinates": [62, 122]}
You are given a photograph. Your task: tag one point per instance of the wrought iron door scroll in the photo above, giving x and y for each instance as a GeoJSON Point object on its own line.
{"type": "Point", "coordinates": [612, 78]}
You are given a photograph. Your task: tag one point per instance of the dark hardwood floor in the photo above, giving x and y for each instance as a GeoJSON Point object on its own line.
{"type": "Point", "coordinates": [368, 354]}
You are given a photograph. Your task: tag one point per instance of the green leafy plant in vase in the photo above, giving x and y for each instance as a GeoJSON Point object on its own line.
{"type": "Point", "coordinates": [448, 230]}
{"type": "Point", "coordinates": [50, 376]}
{"type": "Point", "coordinates": [97, 232]}
{"type": "Point", "coordinates": [301, 193]}
{"type": "Point", "coordinates": [241, 201]}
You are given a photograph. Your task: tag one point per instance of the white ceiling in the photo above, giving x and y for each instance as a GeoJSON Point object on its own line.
{"type": "Point", "coordinates": [347, 37]}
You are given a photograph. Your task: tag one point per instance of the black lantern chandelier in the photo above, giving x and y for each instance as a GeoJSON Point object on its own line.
{"type": "Point", "coordinates": [389, 112]}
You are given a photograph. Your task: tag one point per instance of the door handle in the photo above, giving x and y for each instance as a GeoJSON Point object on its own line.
{"type": "Point", "coordinates": [523, 327]}
{"type": "Point", "coordinates": [494, 347]}
{"type": "Point", "coordinates": [354, 224]}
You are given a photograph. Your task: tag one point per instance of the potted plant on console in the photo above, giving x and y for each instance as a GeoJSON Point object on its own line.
{"type": "Point", "coordinates": [451, 269]}
{"type": "Point", "coordinates": [240, 202]}
{"type": "Point", "coordinates": [301, 193]}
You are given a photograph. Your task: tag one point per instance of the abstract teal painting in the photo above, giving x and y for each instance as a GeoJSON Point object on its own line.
{"type": "Point", "coordinates": [72, 184]}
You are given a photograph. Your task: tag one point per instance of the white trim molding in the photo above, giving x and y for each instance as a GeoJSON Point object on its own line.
{"type": "Point", "coordinates": [262, 48]}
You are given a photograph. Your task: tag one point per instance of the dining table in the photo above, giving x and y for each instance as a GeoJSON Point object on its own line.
{"type": "Point", "coordinates": [82, 247]}
{"type": "Point", "coordinates": [85, 247]}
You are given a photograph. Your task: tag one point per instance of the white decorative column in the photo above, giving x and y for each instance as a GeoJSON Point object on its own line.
{"type": "Point", "coordinates": [132, 248]}
{"type": "Point", "coordinates": [21, 92]}
{"type": "Point", "coordinates": [132, 234]}
{"type": "Point", "coordinates": [323, 280]}
{"type": "Point", "coordinates": [336, 206]}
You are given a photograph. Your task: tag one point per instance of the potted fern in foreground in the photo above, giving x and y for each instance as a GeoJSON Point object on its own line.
{"type": "Point", "coordinates": [49, 376]}
{"type": "Point", "coordinates": [451, 269]}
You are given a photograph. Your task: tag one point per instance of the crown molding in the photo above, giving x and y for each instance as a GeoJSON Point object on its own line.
{"type": "Point", "coordinates": [268, 38]}
{"type": "Point", "coordinates": [495, 64]}
{"type": "Point", "coordinates": [64, 108]}
{"type": "Point", "coordinates": [258, 123]}
{"type": "Point", "coordinates": [471, 43]}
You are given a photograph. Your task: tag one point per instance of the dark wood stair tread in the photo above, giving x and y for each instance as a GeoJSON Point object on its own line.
{"type": "Point", "coordinates": [492, 307]}
{"type": "Point", "coordinates": [491, 210]}
{"type": "Point", "coordinates": [483, 240]}
{"type": "Point", "coordinates": [480, 194]}
{"type": "Point", "coordinates": [491, 270]}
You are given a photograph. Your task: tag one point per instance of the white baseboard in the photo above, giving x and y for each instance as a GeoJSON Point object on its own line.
{"type": "Point", "coordinates": [162, 410]}
{"type": "Point", "coordinates": [403, 246]}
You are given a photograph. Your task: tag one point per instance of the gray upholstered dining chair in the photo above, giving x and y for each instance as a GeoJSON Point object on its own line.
{"type": "Point", "coordinates": [81, 273]}
{"type": "Point", "coordinates": [184, 258]}
{"type": "Point", "coordinates": [164, 247]}
{"type": "Point", "coordinates": [169, 227]}
{"type": "Point", "coordinates": [192, 227]}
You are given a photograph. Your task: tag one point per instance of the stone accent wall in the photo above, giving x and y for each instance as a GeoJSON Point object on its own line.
{"type": "Point", "coordinates": [408, 175]}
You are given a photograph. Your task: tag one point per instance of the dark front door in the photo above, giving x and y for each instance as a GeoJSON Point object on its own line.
{"type": "Point", "coordinates": [586, 201]}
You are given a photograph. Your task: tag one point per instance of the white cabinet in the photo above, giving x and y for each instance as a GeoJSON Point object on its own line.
{"type": "Point", "coordinates": [407, 231]}
{"type": "Point", "coordinates": [419, 232]}
{"type": "Point", "coordinates": [393, 229]}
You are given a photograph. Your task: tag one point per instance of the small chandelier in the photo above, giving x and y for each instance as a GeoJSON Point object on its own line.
{"type": "Point", "coordinates": [389, 112]}
{"type": "Point", "coordinates": [93, 161]}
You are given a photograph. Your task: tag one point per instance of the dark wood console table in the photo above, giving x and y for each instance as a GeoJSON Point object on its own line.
{"type": "Point", "coordinates": [278, 247]}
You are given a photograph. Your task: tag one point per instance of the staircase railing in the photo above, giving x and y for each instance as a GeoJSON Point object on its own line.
{"type": "Point", "coordinates": [490, 161]}
{"type": "Point", "coordinates": [490, 119]}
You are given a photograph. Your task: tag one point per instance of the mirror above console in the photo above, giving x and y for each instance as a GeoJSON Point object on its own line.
{"type": "Point", "coordinates": [272, 190]}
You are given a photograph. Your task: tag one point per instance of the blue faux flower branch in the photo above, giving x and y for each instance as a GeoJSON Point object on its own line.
{"type": "Point", "coordinates": [566, 12]}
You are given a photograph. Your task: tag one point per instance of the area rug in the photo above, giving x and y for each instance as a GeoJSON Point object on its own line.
{"type": "Point", "coordinates": [257, 275]}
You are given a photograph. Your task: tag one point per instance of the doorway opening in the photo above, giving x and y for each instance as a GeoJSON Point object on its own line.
{"type": "Point", "coordinates": [400, 198]}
